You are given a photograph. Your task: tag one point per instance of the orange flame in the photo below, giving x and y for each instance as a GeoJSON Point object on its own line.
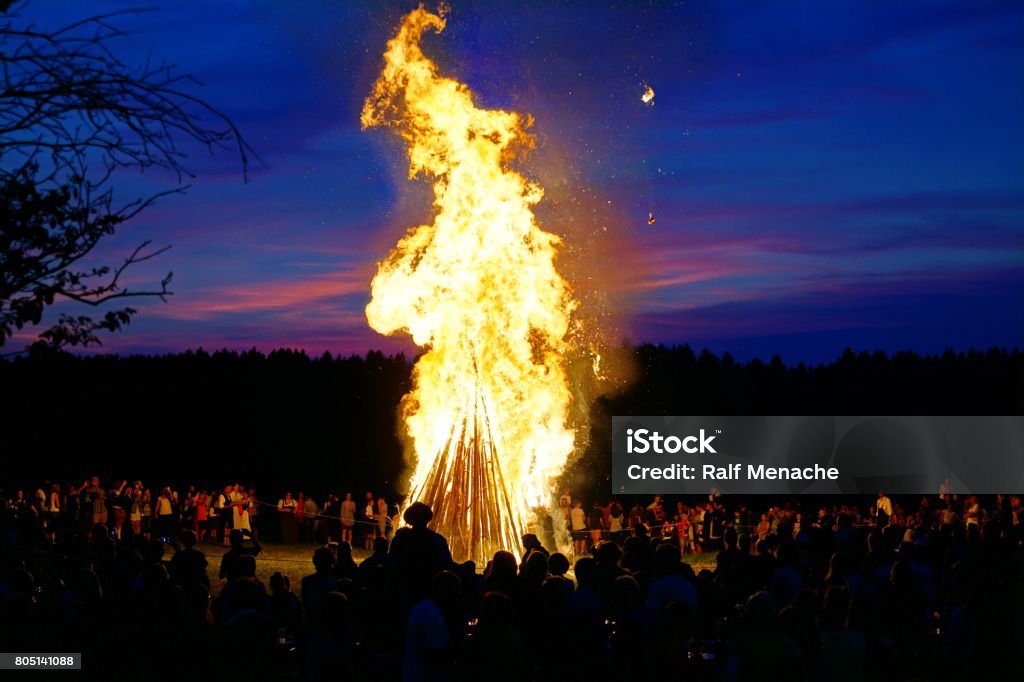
{"type": "Point", "coordinates": [478, 287]}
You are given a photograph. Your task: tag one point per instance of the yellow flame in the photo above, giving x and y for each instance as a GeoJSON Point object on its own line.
{"type": "Point", "coordinates": [478, 287]}
{"type": "Point", "coordinates": [648, 96]}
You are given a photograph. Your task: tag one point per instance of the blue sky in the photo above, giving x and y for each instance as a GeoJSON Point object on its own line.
{"type": "Point", "coordinates": [823, 175]}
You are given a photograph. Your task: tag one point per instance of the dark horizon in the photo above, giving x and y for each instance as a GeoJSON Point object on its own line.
{"type": "Point", "coordinates": [335, 422]}
{"type": "Point", "coordinates": [412, 353]}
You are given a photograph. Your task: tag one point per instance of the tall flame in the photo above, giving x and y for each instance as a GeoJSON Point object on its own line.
{"type": "Point", "coordinates": [478, 288]}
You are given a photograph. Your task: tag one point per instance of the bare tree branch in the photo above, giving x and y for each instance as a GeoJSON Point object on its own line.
{"type": "Point", "coordinates": [71, 114]}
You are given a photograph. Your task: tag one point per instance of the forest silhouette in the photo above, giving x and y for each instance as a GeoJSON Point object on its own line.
{"type": "Point", "coordinates": [328, 423]}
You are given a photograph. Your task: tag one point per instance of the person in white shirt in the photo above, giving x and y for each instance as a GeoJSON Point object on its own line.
{"type": "Point", "coordinates": [52, 508]}
{"type": "Point", "coordinates": [883, 509]}
{"type": "Point", "coordinates": [370, 522]}
{"type": "Point", "coordinates": [949, 514]}
{"type": "Point", "coordinates": [53, 500]}
{"type": "Point", "coordinates": [578, 525]}
{"type": "Point", "coordinates": [657, 508]}
{"type": "Point", "coordinates": [382, 517]}
{"type": "Point", "coordinates": [615, 519]}
{"type": "Point", "coordinates": [164, 514]}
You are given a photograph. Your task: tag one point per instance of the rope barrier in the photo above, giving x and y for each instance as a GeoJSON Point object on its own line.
{"type": "Point", "coordinates": [697, 528]}
{"type": "Point", "coordinates": [319, 515]}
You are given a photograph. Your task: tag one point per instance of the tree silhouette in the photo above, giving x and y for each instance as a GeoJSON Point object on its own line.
{"type": "Point", "coordinates": [330, 423]}
{"type": "Point", "coordinates": [71, 114]}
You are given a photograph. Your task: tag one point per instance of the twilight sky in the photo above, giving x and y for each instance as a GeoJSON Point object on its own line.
{"type": "Point", "coordinates": [823, 175]}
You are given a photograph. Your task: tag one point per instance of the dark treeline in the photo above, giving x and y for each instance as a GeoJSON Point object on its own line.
{"type": "Point", "coordinates": [676, 380]}
{"type": "Point", "coordinates": [282, 419]}
{"type": "Point", "coordinates": [329, 423]}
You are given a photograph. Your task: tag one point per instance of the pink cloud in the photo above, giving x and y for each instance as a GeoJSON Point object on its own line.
{"type": "Point", "coordinates": [287, 296]}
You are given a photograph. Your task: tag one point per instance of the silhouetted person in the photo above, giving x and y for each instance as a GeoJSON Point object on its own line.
{"type": "Point", "coordinates": [729, 555]}
{"type": "Point", "coordinates": [668, 653]}
{"type": "Point", "coordinates": [586, 636]}
{"type": "Point", "coordinates": [344, 565]}
{"type": "Point", "coordinates": [317, 586]}
{"type": "Point", "coordinates": [429, 645]}
{"type": "Point", "coordinates": [238, 549]}
{"type": "Point", "coordinates": [670, 584]}
{"type": "Point", "coordinates": [198, 634]}
{"type": "Point", "coordinates": [531, 544]}
{"type": "Point", "coordinates": [558, 564]}
{"type": "Point", "coordinates": [250, 633]}
{"type": "Point", "coordinates": [501, 576]}
{"type": "Point", "coordinates": [330, 650]}
{"type": "Point", "coordinates": [761, 650]}
{"type": "Point", "coordinates": [243, 591]}
{"type": "Point", "coordinates": [843, 648]}
{"type": "Point", "coordinates": [418, 553]}
{"type": "Point", "coordinates": [379, 558]}
{"type": "Point", "coordinates": [495, 639]}
{"type": "Point", "coordinates": [285, 607]}
{"type": "Point", "coordinates": [546, 523]}
{"type": "Point", "coordinates": [188, 566]}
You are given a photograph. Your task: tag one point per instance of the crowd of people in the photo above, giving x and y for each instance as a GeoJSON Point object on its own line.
{"type": "Point", "coordinates": [131, 509]}
{"type": "Point", "coordinates": [699, 527]}
{"type": "Point", "coordinates": [923, 591]}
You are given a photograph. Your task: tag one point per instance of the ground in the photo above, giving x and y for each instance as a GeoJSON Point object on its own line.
{"type": "Point", "coordinates": [296, 562]}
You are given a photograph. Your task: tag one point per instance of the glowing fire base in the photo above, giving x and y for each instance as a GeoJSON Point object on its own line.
{"type": "Point", "coordinates": [468, 494]}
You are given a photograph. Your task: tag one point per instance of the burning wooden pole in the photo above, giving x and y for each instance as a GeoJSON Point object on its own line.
{"type": "Point", "coordinates": [468, 493]}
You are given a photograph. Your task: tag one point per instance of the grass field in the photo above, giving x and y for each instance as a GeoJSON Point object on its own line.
{"type": "Point", "coordinates": [296, 562]}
